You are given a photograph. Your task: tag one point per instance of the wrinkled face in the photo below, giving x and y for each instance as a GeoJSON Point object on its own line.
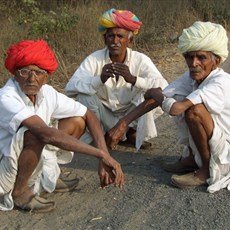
{"type": "Point", "coordinates": [200, 64]}
{"type": "Point", "coordinates": [31, 78]}
{"type": "Point", "coordinates": [117, 40]}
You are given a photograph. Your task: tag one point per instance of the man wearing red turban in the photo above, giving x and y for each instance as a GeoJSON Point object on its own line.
{"type": "Point", "coordinates": [112, 81]}
{"type": "Point", "coordinates": [29, 145]}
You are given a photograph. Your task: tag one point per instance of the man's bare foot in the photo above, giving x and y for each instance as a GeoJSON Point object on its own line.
{"type": "Point", "coordinates": [23, 198]}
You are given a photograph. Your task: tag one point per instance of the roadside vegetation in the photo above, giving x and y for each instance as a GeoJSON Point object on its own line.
{"type": "Point", "coordinates": [70, 26]}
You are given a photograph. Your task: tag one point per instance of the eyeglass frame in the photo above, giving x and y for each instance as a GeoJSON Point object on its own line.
{"type": "Point", "coordinates": [37, 73]}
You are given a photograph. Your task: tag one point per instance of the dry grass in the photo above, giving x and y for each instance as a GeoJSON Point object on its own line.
{"type": "Point", "coordinates": [73, 41]}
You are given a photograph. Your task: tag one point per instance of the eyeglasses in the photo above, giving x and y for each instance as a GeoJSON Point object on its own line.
{"type": "Point", "coordinates": [25, 73]}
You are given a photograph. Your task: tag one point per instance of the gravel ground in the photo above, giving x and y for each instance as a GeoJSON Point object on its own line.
{"type": "Point", "coordinates": [147, 201]}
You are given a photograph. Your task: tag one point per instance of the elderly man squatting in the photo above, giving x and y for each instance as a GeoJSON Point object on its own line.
{"type": "Point", "coordinates": [199, 100]}
{"type": "Point", "coordinates": [28, 162]}
{"type": "Point", "coordinates": [113, 80]}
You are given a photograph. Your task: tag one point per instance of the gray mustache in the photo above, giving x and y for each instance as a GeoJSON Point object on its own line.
{"type": "Point", "coordinates": [195, 70]}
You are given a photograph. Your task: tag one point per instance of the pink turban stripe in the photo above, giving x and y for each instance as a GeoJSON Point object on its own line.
{"type": "Point", "coordinates": [31, 52]}
{"type": "Point", "coordinates": [119, 18]}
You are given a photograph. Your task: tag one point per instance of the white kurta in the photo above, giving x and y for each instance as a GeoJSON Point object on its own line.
{"type": "Point", "coordinates": [119, 96]}
{"type": "Point", "coordinates": [214, 93]}
{"type": "Point", "coordinates": [16, 107]}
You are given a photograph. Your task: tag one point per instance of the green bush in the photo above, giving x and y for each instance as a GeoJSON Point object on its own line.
{"type": "Point", "coordinates": [70, 26]}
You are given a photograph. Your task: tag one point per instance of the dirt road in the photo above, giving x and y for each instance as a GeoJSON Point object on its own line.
{"type": "Point", "coordinates": [147, 201]}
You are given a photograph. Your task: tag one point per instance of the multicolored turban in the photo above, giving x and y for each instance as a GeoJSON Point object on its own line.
{"type": "Point", "coordinates": [31, 52]}
{"type": "Point", "coordinates": [119, 18]}
{"type": "Point", "coordinates": [205, 36]}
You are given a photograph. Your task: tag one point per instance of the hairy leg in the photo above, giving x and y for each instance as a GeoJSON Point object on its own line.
{"type": "Point", "coordinates": [27, 162]}
{"type": "Point", "coordinates": [201, 126]}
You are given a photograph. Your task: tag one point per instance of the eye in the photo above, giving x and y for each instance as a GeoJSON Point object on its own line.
{"type": "Point", "coordinates": [24, 71]}
{"type": "Point", "coordinates": [201, 57]}
{"type": "Point", "coordinates": [40, 72]}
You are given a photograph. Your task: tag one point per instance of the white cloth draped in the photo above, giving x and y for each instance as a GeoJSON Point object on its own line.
{"type": "Point", "coordinates": [214, 93]}
{"type": "Point", "coordinates": [119, 96]}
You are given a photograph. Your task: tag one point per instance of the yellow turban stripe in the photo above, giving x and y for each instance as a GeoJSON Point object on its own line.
{"type": "Point", "coordinates": [205, 36]}
{"type": "Point", "coordinates": [119, 18]}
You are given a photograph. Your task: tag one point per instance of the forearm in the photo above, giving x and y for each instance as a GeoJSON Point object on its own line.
{"type": "Point", "coordinates": [140, 110]}
{"type": "Point", "coordinates": [95, 130]}
{"type": "Point", "coordinates": [60, 139]}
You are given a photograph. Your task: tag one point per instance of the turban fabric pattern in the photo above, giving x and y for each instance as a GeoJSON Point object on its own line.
{"type": "Point", "coordinates": [31, 52]}
{"type": "Point", "coordinates": [205, 36]}
{"type": "Point", "coordinates": [119, 18]}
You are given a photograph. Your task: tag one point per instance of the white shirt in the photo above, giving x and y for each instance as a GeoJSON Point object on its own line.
{"type": "Point", "coordinates": [117, 96]}
{"type": "Point", "coordinates": [16, 107]}
{"type": "Point", "coordinates": [213, 92]}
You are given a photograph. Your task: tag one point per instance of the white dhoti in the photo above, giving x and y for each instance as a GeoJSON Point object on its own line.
{"type": "Point", "coordinates": [145, 125]}
{"type": "Point", "coordinates": [219, 164]}
{"type": "Point", "coordinates": [43, 178]}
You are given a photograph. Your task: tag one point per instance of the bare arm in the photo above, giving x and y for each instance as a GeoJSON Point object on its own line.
{"type": "Point", "coordinates": [180, 107]}
{"type": "Point", "coordinates": [177, 108]}
{"type": "Point", "coordinates": [114, 135]}
{"type": "Point", "coordinates": [109, 171]}
{"type": "Point", "coordinates": [56, 137]}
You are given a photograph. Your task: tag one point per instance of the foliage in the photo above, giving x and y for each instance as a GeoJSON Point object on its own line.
{"type": "Point", "coordinates": [70, 26]}
{"type": "Point", "coordinates": [41, 23]}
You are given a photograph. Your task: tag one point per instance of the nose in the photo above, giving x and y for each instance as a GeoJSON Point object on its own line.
{"type": "Point", "coordinates": [194, 61]}
{"type": "Point", "coordinates": [32, 76]}
{"type": "Point", "coordinates": [116, 39]}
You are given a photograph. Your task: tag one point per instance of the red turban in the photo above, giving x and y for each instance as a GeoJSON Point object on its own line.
{"type": "Point", "coordinates": [30, 52]}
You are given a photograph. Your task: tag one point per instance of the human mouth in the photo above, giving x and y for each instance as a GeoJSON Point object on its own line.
{"type": "Point", "coordinates": [195, 70]}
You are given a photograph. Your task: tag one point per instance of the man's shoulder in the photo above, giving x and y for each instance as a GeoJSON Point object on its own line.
{"type": "Point", "coordinates": [220, 74]}
{"type": "Point", "coordinates": [9, 86]}
{"type": "Point", "coordinates": [48, 88]}
{"type": "Point", "coordinates": [136, 53]}
{"type": "Point", "coordinates": [138, 56]}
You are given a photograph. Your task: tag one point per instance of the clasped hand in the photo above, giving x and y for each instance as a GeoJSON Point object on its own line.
{"type": "Point", "coordinates": [115, 70]}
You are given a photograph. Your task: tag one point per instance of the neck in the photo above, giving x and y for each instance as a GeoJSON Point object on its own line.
{"type": "Point", "coordinates": [32, 98]}
{"type": "Point", "coordinates": [118, 58]}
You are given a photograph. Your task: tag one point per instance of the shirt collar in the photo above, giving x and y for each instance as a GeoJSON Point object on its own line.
{"type": "Point", "coordinates": [127, 58]}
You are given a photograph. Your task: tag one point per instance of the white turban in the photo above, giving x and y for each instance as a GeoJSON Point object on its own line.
{"type": "Point", "coordinates": [205, 36]}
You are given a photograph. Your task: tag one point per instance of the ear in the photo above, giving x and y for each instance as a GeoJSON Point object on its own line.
{"type": "Point", "coordinates": [218, 60]}
{"type": "Point", "coordinates": [131, 40]}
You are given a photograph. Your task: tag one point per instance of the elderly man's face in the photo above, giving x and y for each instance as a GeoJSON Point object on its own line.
{"type": "Point", "coordinates": [200, 64]}
{"type": "Point", "coordinates": [117, 40]}
{"type": "Point", "coordinates": [31, 78]}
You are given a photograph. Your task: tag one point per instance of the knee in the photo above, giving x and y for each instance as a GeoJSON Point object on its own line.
{"type": "Point", "coordinates": [194, 113]}
{"type": "Point", "coordinates": [32, 142]}
{"type": "Point", "coordinates": [74, 126]}
{"type": "Point", "coordinates": [90, 101]}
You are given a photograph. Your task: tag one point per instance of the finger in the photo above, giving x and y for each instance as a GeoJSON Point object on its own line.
{"type": "Point", "coordinates": [119, 179]}
{"type": "Point", "coordinates": [106, 179]}
{"type": "Point", "coordinates": [102, 182]}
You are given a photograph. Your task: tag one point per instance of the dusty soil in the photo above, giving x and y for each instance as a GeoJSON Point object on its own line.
{"type": "Point", "coordinates": [147, 201]}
